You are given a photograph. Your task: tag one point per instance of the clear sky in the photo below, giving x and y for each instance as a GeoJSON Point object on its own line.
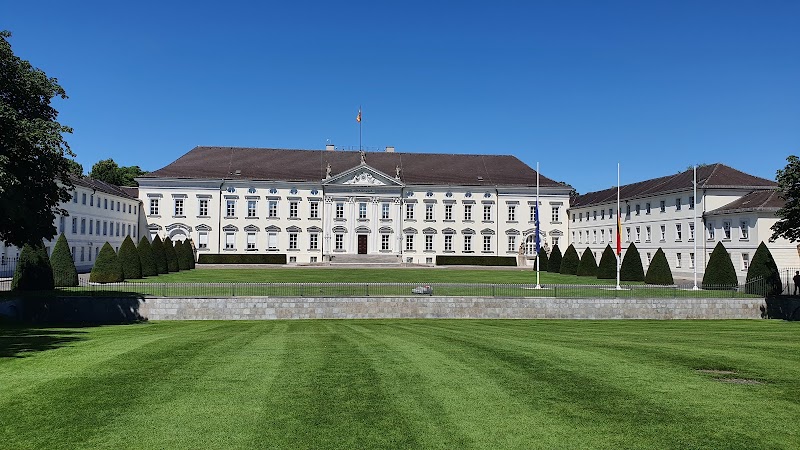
{"type": "Point", "coordinates": [574, 85]}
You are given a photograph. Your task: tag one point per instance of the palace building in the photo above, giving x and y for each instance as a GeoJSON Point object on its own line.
{"type": "Point", "coordinates": [319, 205]}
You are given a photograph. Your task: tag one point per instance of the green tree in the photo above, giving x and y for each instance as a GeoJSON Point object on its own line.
{"type": "Point", "coordinates": [588, 265]}
{"type": "Point", "coordinates": [33, 271]}
{"type": "Point", "coordinates": [34, 168]}
{"type": "Point", "coordinates": [160, 255]}
{"type": "Point", "coordinates": [659, 271]}
{"type": "Point", "coordinates": [763, 277]}
{"type": "Point", "coordinates": [631, 268]}
{"type": "Point", "coordinates": [570, 261]}
{"type": "Point", "coordinates": [554, 260]}
{"type": "Point", "coordinates": [146, 258]}
{"type": "Point", "coordinates": [542, 256]}
{"type": "Point", "coordinates": [607, 269]}
{"type": "Point", "coordinates": [107, 268]}
{"type": "Point", "coordinates": [183, 255]}
{"type": "Point", "coordinates": [788, 178]}
{"type": "Point", "coordinates": [129, 259]}
{"type": "Point", "coordinates": [61, 260]}
{"type": "Point", "coordinates": [75, 168]}
{"type": "Point", "coordinates": [109, 171]}
{"type": "Point", "coordinates": [720, 273]}
{"type": "Point", "coordinates": [190, 251]}
{"type": "Point", "coordinates": [172, 257]}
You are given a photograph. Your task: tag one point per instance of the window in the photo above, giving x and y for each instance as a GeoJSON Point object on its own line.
{"type": "Point", "coordinates": [251, 241]}
{"type": "Point", "coordinates": [594, 215]}
{"type": "Point", "coordinates": [429, 211]}
{"type": "Point", "coordinates": [105, 228]}
{"type": "Point", "coordinates": [691, 231]}
{"type": "Point", "coordinates": [487, 213]}
{"type": "Point", "coordinates": [384, 242]}
{"type": "Point", "coordinates": [410, 242]}
{"type": "Point", "coordinates": [726, 228]}
{"type": "Point", "coordinates": [710, 230]}
{"type": "Point", "coordinates": [745, 261]}
{"type": "Point", "coordinates": [91, 226]}
{"type": "Point", "coordinates": [178, 207]}
{"type": "Point", "coordinates": [251, 208]}
{"type": "Point", "coordinates": [362, 210]}
{"type": "Point", "coordinates": [293, 210]}
{"type": "Point", "coordinates": [428, 242]}
{"type": "Point", "coordinates": [555, 240]}
{"type": "Point", "coordinates": [74, 225]}
{"type": "Point", "coordinates": [91, 200]}
{"type": "Point", "coordinates": [448, 212]}
{"type": "Point", "coordinates": [627, 211]}
{"type": "Point", "coordinates": [230, 240]}
{"type": "Point", "coordinates": [83, 201]}
{"type": "Point", "coordinates": [73, 253]}
{"type": "Point", "coordinates": [83, 256]}
{"type": "Point", "coordinates": [594, 236]}
{"type": "Point", "coordinates": [647, 234]}
{"type": "Point", "coordinates": [602, 214]}
{"type": "Point", "coordinates": [512, 243]}
{"type": "Point", "coordinates": [83, 226]}
{"type": "Point", "coordinates": [580, 217]}
{"type": "Point", "coordinates": [448, 242]}
{"type": "Point", "coordinates": [573, 217]}
{"type": "Point", "coordinates": [467, 243]}
{"type": "Point", "coordinates": [272, 240]}
{"type": "Point", "coordinates": [678, 204]}
{"type": "Point", "coordinates": [384, 211]}
{"type": "Point", "coordinates": [647, 208]}
{"type": "Point", "coordinates": [638, 209]}
{"type": "Point", "coordinates": [678, 232]}
{"type": "Point", "coordinates": [555, 213]}
{"type": "Point", "coordinates": [292, 241]}
{"type": "Point", "coordinates": [62, 224]}
{"type": "Point", "coordinates": [467, 212]}
{"type": "Point", "coordinates": [678, 260]}
{"type": "Point", "coordinates": [202, 239]}
{"type": "Point", "coordinates": [105, 203]}
{"type": "Point", "coordinates": [339, 242]}
{"type": "Point", "coordinates": [313, 240]}
{"type": "Point", "coordinates": [272, 208]}
{"type": "Point", "coordinates": [649, 258]}
{"type": "Point", "coordinates": [663, 233]}
{"type": "Point", "coordinates": [203, 207]}
{"type": "Point", "coordinates": [691, 260]}
{"type": "Point", "coordinates": [153, 206]}
{"type": "Point", "coordinates": [409, 211]}
{"type": "Point", "coordinates": [637, 234]}
{"type": "Point", "coordinates": [314, 210]}
{"type": "Point", "coordinates": [487, 243]}
{"type": "Point", "coordinates": [691, 202]}
{"type": "Point", "coordinates": [602, 236]}
{"type": "Point", "coordinates": [117, 228]}
{"type": "Point", "coordinates": [75, 200]}
{"type": "Point", "coordinates": [573, 237]}
{"type": "Point", "coordinates": [580, 237]}
{"type": "Point", "coordinates": [610, 213]}
{"type": "Point", "coordinates": [340, 211]}
{"type": "Point", "coordinates": [744, 230]}
{"type": "Point", "coordinates": [117, 206]}
{"type": "Point", "coordinates": [512, 213]}
{"type": "Point", "coordinates": [627, 234]}
{"type": "Point", "coordinates": [663, 206]}
{"type": "Point", "coordinates": [230, 210]}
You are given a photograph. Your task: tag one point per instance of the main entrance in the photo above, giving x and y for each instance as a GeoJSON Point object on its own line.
{"type": "Point", "coordinates": [362, 244]}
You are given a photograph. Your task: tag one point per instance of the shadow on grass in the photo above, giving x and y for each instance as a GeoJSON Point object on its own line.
{"type": "Point", "coordinates": [72, 308]}
{"type": "Point", "coordinates": [21, 341]}
{"type": "Point", "coordinates": [782, 307]}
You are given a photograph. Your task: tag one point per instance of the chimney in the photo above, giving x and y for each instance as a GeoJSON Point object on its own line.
{"type": "Point", "coordinates": [330, 147]}
{"type": "Point", "coordinates": [390, 149]}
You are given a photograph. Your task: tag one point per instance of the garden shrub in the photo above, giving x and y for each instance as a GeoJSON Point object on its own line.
{"type": "Point", "coordinates": [659, 271]}
{"type": "Point", "coordinates": [720, 273]}
{"type": "Point", "coordinates": [129, 259]}
{"type": "Point", "coordinates": [159, 255]}
{"type": "Point", "coordinates": [172, 257]}
{"type": "Point", "coordinates": [607, 269]}
{"type": "Point", "coordinates": [554, 260]}
{"type": "Point", "coordinates": [107, 268]}
{"type": "Point", "coordinates": [763, 267]}
{"type": "Point", "coordinates": [631, 268]}
{"type": "Point", "coordinates": [446, 260]}
{"type": "Point", "coordinates": [183, 256]}
{"type": "Point", "coordinates": [33, 271]}
{"type": "Point", "coordinates": [542, 257]}
{"type": "Point", "coordinates": [588, 265]}
{"type": "Point", "coordinates": [146, 258]}
{"type": "Point", "coordinates": [570, 261]}
{"type": "Point", "coordinates": [190, 246]}
{"type": "Point", "coordinates": [64, 272]}
{"type": "Point", "coordinates": [272, 258]}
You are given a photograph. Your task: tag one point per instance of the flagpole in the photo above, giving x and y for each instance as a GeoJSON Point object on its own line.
{"type": "Point", "coordinates": [360, 148]}
{"type": "Point", "coordinates": [619, 230]}
{"type": "Point", "coordinates": [536, 238]}
{"type": "Point", "coordinates": [694, 219]}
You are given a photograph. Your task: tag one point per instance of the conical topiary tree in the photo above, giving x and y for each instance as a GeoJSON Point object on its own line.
{"type": "Point", "coordinates": [720, 273]}
{"type": "Point", "coordinates": [190, 247]}
{"type": "Point", "coordinates": [763, 277]}
{"type": "Point", "coordinates": [33, 271]}
{"type": "Point", "coordinates": [146, 258]}
{"type": "Point", "coordinates": [588, 265]}
{"type": "Point", "coordinates": [631, 268]}
{"type": "Point", "coordinates": [554, 260]}
{"type": "Point", "coordinates": [659, 271]}
{"type": "Point", "coordinates": [159, 255]}
{"type": "Point", "coordinates": [107, 268]}
{"type": "Point", "coordinates": [183, 255]}
{"type": "Point", "coordinates": [570, 261]}
{"type": "Point", "coordinates": [64, 272]}
{"type": "Point", "coordinates": [542, 257]}
{"type": "Point", "coordinates": [172, 257]}
{"type": "Point", "coordinates": [129, 259]}
{"type": "Point", "coordinates": [607, 269]}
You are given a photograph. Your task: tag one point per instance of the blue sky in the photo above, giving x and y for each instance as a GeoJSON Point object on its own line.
{"type": "Point", "coordinates": [574, 85]}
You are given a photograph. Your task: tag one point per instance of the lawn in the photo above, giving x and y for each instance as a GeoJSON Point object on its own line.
{"type": "Point", "coordinates": [403, 384]}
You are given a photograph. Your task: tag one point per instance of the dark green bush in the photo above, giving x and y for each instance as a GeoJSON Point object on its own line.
{"type": "Point", "coordinates": [588, 265]}
{"type": "Point", "coordinates": [659, 271]}
{"type": "Point", "coordinates": [554, 260]}
{"type": "Point", "coordinates": [172, 257]}
{"type": "Point", "coordinates": [129, 260]}
{"type": "Point", "coordinates": [763, 277]}
{"type": "Point", "coordinates": [542, 257]}
{"type": "Point", "coordinates": [570, 261]}
{"type": "Point", "coordinates": [446, 260]}
{"type": "Point", "coordinates": [607, 269]}
{"type": "Point", "coordinates": [720, 273]}
{"type": "Point", "coordinates": [64, 272]}
{"type": "Point", "coordinates": [190, 252]}
{"type": "Point", "coordinates": [631, 268]}
{"type": "Point", "coordinates": [107, 268]}
{"type": "Point", "coordinates": [159, 255]}
{"type": "Point", "coordinates": [33, 271]}
{"type": "Point", "coordinates": [183, 256]}
{"type": "Point", "coordinates": [234, 258]}
{"type": "Point", "coordinates": [146, 258]}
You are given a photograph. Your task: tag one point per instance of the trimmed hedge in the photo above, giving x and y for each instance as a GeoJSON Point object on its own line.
{"type": "Point", "coordinates": [190, 252]}
{"type": "Point", "coordinates": [554, 260]}
{"type": "Point", "coordinates": [183, 256]}
{"type": "Point", "coordinates": [107, 268]}
{"type": "Point", "coordinates": [607, 269]}
{"type": "Point", "coordinates": [588, 265]}
{"type": "Point", "coordinates": [172, 256]}
{"type": "Point", "coordinates": [272, 258]}
{"type": "Point", "coordinates": [33, 271]}
{"type": "Point", "coordinates": [159, 255]}
{"type": "Point", "coordinates": [659, 271]}
{"type": "Point", "coordinates": [445, 260]}
{"type": "Point", "coordinates": [763, 267]}
{"type": "Point", "coordinates": [129, 259]}
{"type": "Point", "coordinates": [631, 268]}
{"type": "Point", "coordinates": [720, 273]}
{"type": "Point", "coordinates": [570, 261]}
{"type": "Point", "coordinates": [542, 256]}
{"type": "Point", "coordinates": [64, 272]}
{"type": "Point", "coordinates": [146, 258]}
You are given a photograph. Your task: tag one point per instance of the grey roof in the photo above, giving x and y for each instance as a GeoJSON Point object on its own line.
{"type": "Point", "coordinates": [107, 188]}
{"type": "Point", "coordinates": [310, 165]}
{"type": "Point", "coordinates": [709, 176]}
{"type": "Point", "coordinates": [756, 201]}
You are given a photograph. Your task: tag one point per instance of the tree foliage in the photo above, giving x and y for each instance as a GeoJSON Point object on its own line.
{"type": "Point", "coordinates": [720, 273]}
{"type": "Point", "coordinates": [109, 171]}
{"type": "Point", "coordinates": [570, 261]}
{"type": "Point", "coordinates": [172, 256]}
{"type": "Point", "coordinates": [33, 271]}
{"type": "Point", "coordinates": [588, 265]}
{"type": "Point", "coordinates": [542, 257]}
{"type": "Point", "coordinates": [659, 271]}
{"type": "Point", "coordinates": [107, 268]}
{"type": "Point", "coordinates": [129, 259]}
{"type": "Point", "coordinates": [763, 277]}
{"type": "Point", "coordinates": [75, 168]}
{"type": "Point", "coordinates": [61, 260]}
{"type": "Point", "coordinates": [607, 269]}
{"type": "Point", "coordinates": [146, 258]}
{"type": "Point", "coordinates": [34, 170]}
{"type": "Point", "coordinates": [190, 251]}
{"type": "Point", "coordinates": [788, 178]}
{"type": "Point", "coordinates": [183, 255]}
{"type": "Point", "coordinates": [554, 260]}
{"type": "Point", "coordinates": [631, 268]}
{"type": "Point", "coordinates": [159, 255]}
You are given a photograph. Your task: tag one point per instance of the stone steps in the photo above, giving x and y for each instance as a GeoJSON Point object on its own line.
{"type": "Point", "coordinates": [393, 260]}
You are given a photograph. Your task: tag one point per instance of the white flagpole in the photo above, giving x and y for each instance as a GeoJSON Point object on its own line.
{"type": "Point", "coordinates": [619, 229]}
{"type": "Point", "coordinates": [694, 218]}
{"type": "Point", "coordinates": [535, 238]}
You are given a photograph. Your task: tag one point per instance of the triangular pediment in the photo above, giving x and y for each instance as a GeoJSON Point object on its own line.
{"type": "Point", "coordinates": [362, 175]}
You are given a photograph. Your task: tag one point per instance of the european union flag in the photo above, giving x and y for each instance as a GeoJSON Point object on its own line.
{"type": "Point", "coordinates": [536, 222]}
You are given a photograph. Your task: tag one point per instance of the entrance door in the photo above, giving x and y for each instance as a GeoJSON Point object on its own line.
{"type": "Point", "coordinates": [362, 244]}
